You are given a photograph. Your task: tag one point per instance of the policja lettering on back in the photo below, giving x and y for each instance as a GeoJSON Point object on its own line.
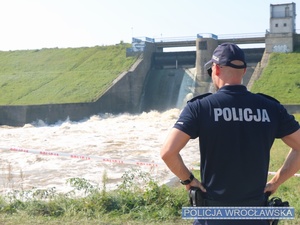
{"type": "Point", "coordinates": [239, 114]}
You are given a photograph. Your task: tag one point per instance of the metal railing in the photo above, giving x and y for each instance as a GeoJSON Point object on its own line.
{"type": "Point", "coordinates": [244, 35]}
{"type": "Point", "coordinates": [205, 35]}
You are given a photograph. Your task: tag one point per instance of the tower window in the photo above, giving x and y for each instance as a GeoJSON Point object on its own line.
{"type": "Point", "coordinates": [202, 45]}
{"type": "Point", "coordinates": [276, 25]}
{"type": "Point", "coordinates": [287, 11]}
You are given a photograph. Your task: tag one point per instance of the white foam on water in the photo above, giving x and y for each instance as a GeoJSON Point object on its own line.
{"type": "Point", "coordinates": [125, 137]}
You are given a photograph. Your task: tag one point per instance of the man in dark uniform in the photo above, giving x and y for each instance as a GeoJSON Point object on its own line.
{"type": "Point", "coordinates": [236, 130]}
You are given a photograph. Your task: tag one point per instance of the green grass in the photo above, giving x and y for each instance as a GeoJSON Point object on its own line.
{"type": "Point", "coordinates": [137, 200]}
{"type": "Point", "coordinates": [60, 75]}
{"type": "Point", "coordinates": [281, 78]}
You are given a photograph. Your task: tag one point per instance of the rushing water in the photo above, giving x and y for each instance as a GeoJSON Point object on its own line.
{"type": "Point", "coordinates": [123, 137]}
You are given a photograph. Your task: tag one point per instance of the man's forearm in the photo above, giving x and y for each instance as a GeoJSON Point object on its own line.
{"type": "Point", "coordinates": [288, 169]}
{"type": "Point", "coordinates": [177, 166]}
{"type": "Point", "coordinates": [174, 143]}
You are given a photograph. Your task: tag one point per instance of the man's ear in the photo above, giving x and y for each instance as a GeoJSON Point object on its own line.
{"type": "Point", "coordinates": [217, 70]}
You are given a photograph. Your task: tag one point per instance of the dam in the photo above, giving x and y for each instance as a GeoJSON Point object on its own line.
{"type": "Point", "coordinates": [159, 80]}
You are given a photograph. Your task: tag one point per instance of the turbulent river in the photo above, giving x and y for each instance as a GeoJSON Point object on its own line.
{"type": "Point", "coordinates": [122, 140]}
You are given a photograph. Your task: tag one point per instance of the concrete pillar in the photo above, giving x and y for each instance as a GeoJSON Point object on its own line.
{"type": "Point", "coordinates": [204, 51]}
{"type": "Point", "coordinates": [279, 42]}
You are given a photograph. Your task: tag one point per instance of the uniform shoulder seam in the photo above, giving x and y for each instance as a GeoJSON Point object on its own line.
{"type": "Point", "coordinates": [268, 97]}
{"type": "Point", "coordinates": [200, 97]}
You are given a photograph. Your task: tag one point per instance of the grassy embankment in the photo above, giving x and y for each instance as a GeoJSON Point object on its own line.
{"type": "Point", "coordinates": [133, 202]}
{"type": "Point", "coordinates": [281, 78]}
{"type": "Point", "coordinates": [60, 75]}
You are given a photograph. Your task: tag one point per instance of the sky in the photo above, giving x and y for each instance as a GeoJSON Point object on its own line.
{"type": "Point", "coordinates": [36, 24]}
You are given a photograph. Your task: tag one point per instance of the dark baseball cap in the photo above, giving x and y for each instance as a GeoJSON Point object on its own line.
{"type": "Point", "coordinates": [224, 54]}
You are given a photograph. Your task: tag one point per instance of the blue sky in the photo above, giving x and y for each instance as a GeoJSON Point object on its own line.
{"type": "Point", "coordinates": [35, 24]}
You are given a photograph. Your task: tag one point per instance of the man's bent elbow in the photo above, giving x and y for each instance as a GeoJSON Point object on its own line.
{"type": "Point", "coordinates": [164, 154]}
{"type": "Point", "coordinates": [293, 140]}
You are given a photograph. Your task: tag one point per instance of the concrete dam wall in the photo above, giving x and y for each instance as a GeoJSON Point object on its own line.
{"type": "Point", "coordinates": [166, 89]}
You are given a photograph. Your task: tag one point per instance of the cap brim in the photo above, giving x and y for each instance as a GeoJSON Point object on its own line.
{"type": "Point", "coordinates": [208, 64]}
{"type": "Point", "coordinates": [237, 66]}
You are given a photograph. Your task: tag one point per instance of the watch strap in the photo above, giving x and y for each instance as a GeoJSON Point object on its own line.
{"type": "Point", "coordinates": [188, 181]}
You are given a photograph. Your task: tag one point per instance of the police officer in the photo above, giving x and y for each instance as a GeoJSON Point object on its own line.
{"type": "Point", "coordinates": [236, 129]}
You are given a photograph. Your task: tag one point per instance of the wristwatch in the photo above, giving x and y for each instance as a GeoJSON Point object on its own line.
{"type": "Point", "coordinates": [188, 181]}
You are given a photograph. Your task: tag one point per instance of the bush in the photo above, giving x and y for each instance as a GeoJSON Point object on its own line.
{"type": "Point", "coordinates": [137, 198]}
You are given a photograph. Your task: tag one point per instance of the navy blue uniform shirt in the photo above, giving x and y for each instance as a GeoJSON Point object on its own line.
{"type": "Point", "coordinates": [236, 130]}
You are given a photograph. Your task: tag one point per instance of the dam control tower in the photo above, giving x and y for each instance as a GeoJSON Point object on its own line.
{"type": "Point", "coordinates": [280, 37]}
